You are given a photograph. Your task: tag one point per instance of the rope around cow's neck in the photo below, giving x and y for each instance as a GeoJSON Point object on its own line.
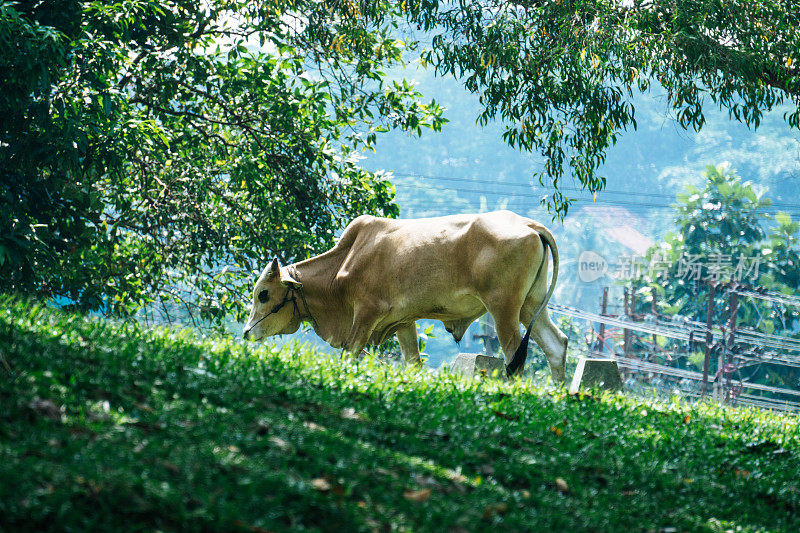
{"type": "Point", "coordinates": [295, 275]}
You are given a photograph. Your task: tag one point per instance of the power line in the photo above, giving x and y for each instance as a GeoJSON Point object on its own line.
{"type": "Point", "coordinates": [600, 201]}
{"type": "Point", "coordinates": [783, 299]}
{"type": "Point", "coordinates": [526, 185]}
{"type": "Point", "coordinates": [562, 188]}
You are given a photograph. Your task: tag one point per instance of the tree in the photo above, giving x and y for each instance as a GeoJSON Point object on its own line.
{"type": "Point", "coordinates": [164, 150]}
{"type": "Point", "coordinates": [562, 74]}
{"type": "Point", "coordinates": [724, 233]}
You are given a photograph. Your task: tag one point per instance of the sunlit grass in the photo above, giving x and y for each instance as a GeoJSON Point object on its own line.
{"type": "Point", "coordinates": [115, 427]}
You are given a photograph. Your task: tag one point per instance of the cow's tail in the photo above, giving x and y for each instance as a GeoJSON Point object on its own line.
{"type": "Point", "coordinates": [518, 361]}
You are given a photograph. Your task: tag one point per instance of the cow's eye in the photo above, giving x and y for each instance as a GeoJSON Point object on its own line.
{"type": "Point", "coordinates": [263, 296]}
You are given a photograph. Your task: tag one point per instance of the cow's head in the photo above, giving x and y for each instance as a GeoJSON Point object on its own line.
{"type": "Point", "coordinates": [274, 306]}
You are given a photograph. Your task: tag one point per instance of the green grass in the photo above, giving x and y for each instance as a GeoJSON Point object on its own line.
{"type": "Point", "coordinates": [108, 426]}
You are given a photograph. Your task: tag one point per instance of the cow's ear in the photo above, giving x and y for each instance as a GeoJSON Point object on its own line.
{"type": "Point", "coordinates": [289, 281]}
{"type": "Point", "coordinates": [273, 270]}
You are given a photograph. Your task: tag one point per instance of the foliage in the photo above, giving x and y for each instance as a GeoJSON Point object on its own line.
{"type": "Point", "coordinates": [562, 75]}
{"type": "Point", "coordinates": [108, 426]}
{"type": "Point", "coordinates": [148, 143]}
{"type": "Point", "coordinates": [725, 221]}
{"type": "Point", "coordinates": [725, 230]}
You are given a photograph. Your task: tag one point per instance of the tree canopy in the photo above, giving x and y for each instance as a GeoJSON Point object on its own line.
{"type": "Point", "coordinates": [726, 233]}
{"type": "Point", "coordinates": [562, 75]}
{"type": "Point", "coordinates": [160, 149]}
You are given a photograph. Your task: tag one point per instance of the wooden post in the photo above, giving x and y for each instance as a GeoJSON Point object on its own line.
{"type": "Point", "coordinates": [709, 336]}
{"type": "Point", "coordinates": [733, 299]}
{"type": "Point", "coordinates": [602, 333]}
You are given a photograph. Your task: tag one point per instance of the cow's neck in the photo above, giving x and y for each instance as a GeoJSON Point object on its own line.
{"type": "Point", "coordinates": [318, 275]}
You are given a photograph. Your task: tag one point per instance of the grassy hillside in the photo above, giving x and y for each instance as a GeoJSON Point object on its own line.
{"type": "Point", "coordinates": [106, 426]}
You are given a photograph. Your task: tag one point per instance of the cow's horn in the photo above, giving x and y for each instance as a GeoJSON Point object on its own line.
{"type": "Point", "coordinates": [274, 269]}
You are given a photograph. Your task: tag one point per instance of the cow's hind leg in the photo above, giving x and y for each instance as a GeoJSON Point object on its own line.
{"type": "Point", "coordinates": [409, 345]}
{"type": "Point", "coordinates": [550, 339]}
{"type": "Point", "coordinates": [506, 322]}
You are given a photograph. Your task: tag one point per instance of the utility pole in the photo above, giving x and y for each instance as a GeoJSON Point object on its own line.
{"type": "Point", "coordinates": [654, 311]}
{"type": "Point", "coordinates": [733, 302]}
{"type": "Point", "coordinates": [709, 337]}
{"type": "Point", "coordinates": [626, 335]}
{"type": "Point", "coordinates": [601, 335]}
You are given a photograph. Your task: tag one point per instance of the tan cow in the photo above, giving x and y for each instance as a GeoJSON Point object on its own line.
{"type": "Point", "coordinates": [385, 274]}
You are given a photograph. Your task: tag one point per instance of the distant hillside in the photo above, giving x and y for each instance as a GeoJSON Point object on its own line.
{"type": "Point", "coordinates": [451, 171]}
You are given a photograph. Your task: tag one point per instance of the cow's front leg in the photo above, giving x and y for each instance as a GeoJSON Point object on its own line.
{"type": "Point", "coordinates": [409, 345]}
{"type": "Point", "coordinates": [364, 321]}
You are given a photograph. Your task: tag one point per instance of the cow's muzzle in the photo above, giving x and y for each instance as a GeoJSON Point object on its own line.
{"type": "Point", "coordinates": [286, 300]}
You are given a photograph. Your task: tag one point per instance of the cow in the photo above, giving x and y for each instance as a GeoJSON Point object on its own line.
{"type": "Point", "coordinates": [384, 274]}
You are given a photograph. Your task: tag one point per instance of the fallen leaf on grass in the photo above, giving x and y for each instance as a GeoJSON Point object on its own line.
{"type": "Point", "coordinates": [495, 509]}
{"type": "Point", "coordinates": [321, 484]}
{"type": "Point", "coordinates": [561, 486]}
{"type": "Point", "coordinates": [280, 443]}
{"type": "Point", "coordinates": [385, 472]}
{"type": "Point", "coordinates": [418, 496]}
{"type": "Point", "coordinates": [557, 430]}
{"type": "Point", "coordinates": [504, 416]}
{"type": "Point", "coordinates": [144, 407]}
{"type": "Point", "coordinates": [172, 467]}
{"type": "Point", "coordinates": [254, 529]}
{"type": "Point", "coordinates": [348, 413]}
{"type": "Point", "coordinates": [457, 476]}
